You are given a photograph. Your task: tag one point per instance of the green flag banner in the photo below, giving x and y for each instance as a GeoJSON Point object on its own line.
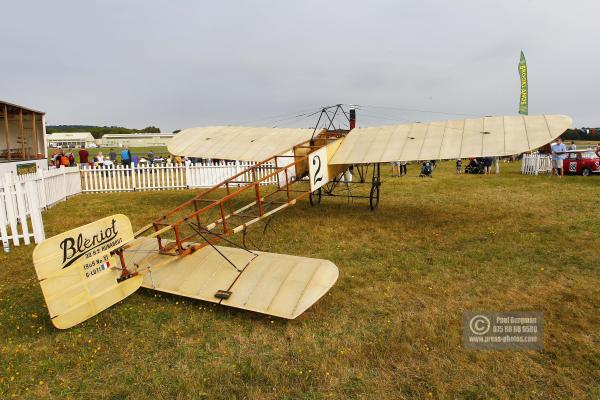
{"type": "Point", "coordinates": [524, 101]}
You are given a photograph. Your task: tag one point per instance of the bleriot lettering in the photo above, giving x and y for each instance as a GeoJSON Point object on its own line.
{"type": "Point", "coordinates": [73, 249]}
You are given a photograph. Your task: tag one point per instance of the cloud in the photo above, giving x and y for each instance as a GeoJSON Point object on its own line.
{"type": "Point", "coordinates": [177, 64]}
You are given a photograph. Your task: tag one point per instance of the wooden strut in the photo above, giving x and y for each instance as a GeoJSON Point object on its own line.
{"type": "Point", "coordinates": [34, 136]}
{"type": "Point", "coordinates": [6, 134]}
{"type": "Point", "coordinates": [265, 208]}
{"type": "Point", "coordinates": [22, 134]}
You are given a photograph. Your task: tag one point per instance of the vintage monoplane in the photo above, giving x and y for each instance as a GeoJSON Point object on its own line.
{"type": "Point", "coordinates": [88, 269]}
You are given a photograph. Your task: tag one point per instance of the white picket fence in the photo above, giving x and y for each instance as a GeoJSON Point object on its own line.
{"type": "Point", "coordinates": [159, 177]}
{"type": "Point", "coordinates": [23, 197]}
{"type": "Point", "coordinates": [53, 185]}
{"type": "Point", "coordinates": [20, 214]}
{"type": "Point", "coordinates": [535, 164]}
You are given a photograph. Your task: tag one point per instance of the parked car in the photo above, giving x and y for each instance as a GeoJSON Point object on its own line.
{"type": "Point", "coordinates": [582, 162]}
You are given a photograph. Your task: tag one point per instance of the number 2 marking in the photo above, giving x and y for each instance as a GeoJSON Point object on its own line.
{"type": "Point", "coordinates": [317, 178]}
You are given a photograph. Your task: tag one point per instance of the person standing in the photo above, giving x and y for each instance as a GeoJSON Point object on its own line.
{"type": "Point", "coordinates": [71, 159]}
{"type": "Point", "coordinates": [459, 166]}
{"type": "Point", "coordinates": [112, 155]}
{"type": "Point", "coordinates": [487, 164]}
{"type": "Point", "coordinates": [126, 156]}
{"type": "Point", "coordinates": [558, 150]}
{"type": "Point", "coordinates": [572, 146]}
{"type": "Point", "coordinates": [150, 157]}
{"type": "Point", "coordinates": [84, 156]}
{"type": "Point", "coordinates": [402, 168]}
{"type": "Point", "coordinates": [64, 160]}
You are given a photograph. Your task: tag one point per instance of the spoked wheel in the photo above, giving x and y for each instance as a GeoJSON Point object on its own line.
{"type": "Point", "coordinates": [315, 197]}
{"type": "Point", "coordinates": [374, 196]}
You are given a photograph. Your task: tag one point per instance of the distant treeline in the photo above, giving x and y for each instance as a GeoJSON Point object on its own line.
{"type": "Point", "coordinates": [99, 131]}
{"type": "Point", "coordinates": [582, 134]}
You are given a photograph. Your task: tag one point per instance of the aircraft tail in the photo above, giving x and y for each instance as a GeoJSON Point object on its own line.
{"type": "Point", "coordinates": [80, 271]}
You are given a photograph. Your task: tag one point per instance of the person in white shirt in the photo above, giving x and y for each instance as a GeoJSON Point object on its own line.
{"type": "Point", "coordinates": [558, 154]}
{"type": "Point", "coordinates": [572, 146]}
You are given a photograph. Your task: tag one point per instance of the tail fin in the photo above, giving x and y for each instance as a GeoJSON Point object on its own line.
{"type": "Point", "coordinates": [79, 273]}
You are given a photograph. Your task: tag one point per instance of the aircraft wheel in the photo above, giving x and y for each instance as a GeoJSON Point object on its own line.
{"type": "Point", "coordinates": [374, 197]}
{"type": "Point", "coordinates": [315, 197]}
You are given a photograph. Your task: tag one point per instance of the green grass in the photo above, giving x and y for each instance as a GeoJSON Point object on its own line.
{"type": "Point", "coordinates": [389, 328]}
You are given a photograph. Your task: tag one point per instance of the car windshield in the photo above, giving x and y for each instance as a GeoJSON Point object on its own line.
{"type": "Point", "coordinates": [589, 155]}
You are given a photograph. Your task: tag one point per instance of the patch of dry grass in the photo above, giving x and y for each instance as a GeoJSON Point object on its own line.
{"type": "Point", "coordinates": [389, 328]}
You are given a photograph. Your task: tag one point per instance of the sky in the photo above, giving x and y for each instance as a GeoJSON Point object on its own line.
{"type": "Point", "coordinates": [178, 64]}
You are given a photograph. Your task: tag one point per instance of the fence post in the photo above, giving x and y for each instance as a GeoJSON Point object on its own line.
{"type": "Point", "coordinates": [63, 170]}
{"type": "Point", "coordinates": [133, 176]}
{"type": "Point", "coordinates": [10, 207]}
{"type": "Point", "coordinates": [35, 212]}
{"type": "Point", "coordinates": [22, 211]}
{"type": "Point", "coordinates": [187, 174]}
{"type": "Point", "coordinates": [3, 222]}
{"type": "Point", "coordinates": [42, 188]}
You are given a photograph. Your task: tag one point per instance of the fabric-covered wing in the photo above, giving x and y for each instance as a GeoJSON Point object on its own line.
{"type": "Point", "coordinates": [276, 284]}
{"type": "Point", "coordinates": [236, 142]}
{"type": "Point", "coordinates": [478, 137]}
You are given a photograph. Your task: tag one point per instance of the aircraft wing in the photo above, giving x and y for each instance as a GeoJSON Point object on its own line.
{"type": "Point", "coordinates": [236, 142]}
{"type": "Point", "coordinates": [477, 137]}
{"type": "Point", "coordinates": [275, 284]}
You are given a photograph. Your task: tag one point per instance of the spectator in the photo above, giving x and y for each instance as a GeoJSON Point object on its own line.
{"type": "Point", "coordinates": [126, 157]}
{"type": "Point", "coordinates": [108, 163]}
{"type": "Point", "coordinates": [84, 156]}
{"type": "Point", "coordinates": [57, 157]}
{"type": "Point", "coordinates": [100, 158]}
{"type": "Point", "coordinates": [426, 169]}
{"type": "Point", "coordinates": [459, 166]}
{"type": "Point", "coordinates": [177, 160]}
{"type": "Point", "coordinates": [150, 157]}
{"type": "Point", "coordinates": [64, 160]}
{"type": "Point", "coordinates": [71, 159]}
{"type": "Point", "coordinates": [402, 168]}
{"type": "Point", "coordinates": [558, 150]}
{"type": "Point", "coordinates": [396, 167]}
{"type": "Point", "coordinates": [112, 155]}
{"type": "Point", "coordinates": [572, 146]}
{"type": "Point", "coordinates": [487, 163]}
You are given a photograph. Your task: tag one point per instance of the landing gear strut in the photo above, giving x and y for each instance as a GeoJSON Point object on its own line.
{"type": "Point", "coordinates": [375, 183]}
{"type": "Point", "coordinates": [315, 197]}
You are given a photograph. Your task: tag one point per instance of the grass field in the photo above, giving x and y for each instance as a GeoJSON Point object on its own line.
{"type": "Point", "coordinates": [391, 326]}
